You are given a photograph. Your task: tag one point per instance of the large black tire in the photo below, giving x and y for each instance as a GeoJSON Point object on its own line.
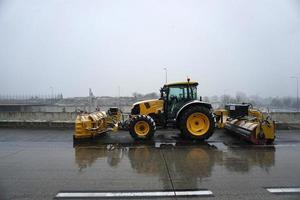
{"type": "Point", "coordinates": [197, 122]}
{"type": "Point", "coordinates": [270, 141]}
{"type": "Point", "coordinates": [142, 127]}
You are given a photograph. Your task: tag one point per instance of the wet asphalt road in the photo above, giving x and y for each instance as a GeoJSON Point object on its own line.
{"type": "Point", "coordinates": [37, 164]}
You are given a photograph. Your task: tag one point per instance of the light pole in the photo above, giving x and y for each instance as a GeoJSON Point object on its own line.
{"type": "Point", "coordinates": [119, 94]}
{"type": "Point", "coordinates": [166, 71]}
{"type": "Point", "coordinates": [51, 91]}
{"type": "Point", "coordinates": [295, 77]}
{"type": "Point", "coordinates": [51, 98]}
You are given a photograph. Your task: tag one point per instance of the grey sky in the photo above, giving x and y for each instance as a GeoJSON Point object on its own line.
{"type": "Point", "coordinates": [226, 45]}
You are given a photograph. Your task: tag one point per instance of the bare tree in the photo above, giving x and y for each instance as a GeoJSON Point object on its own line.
{"type": "Point", "coordinates": [241, 97]}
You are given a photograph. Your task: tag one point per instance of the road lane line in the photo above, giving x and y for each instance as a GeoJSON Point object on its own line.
{"type": "Point", "coordinates": [285, 145]}
{"type": "Point", "coordinates": [283, 190]}
{"type": "Point", "coordinates": [194, 193]}
{"type": "Point", "coordinates": [133, 194]}
{"type": "Point", "coordinates": [112, 194]}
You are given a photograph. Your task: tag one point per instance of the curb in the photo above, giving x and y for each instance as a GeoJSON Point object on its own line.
{"type": "Point", "coordinates": [71, 124]}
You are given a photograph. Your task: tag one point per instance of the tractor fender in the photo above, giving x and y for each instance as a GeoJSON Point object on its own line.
{"type": "Point", "coordinates": [191, 103]}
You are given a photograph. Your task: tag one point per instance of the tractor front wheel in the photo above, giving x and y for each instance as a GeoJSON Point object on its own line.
{"type": "Point", "coordinates": [142, 127]}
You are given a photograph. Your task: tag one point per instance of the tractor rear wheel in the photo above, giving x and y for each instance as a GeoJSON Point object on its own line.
{"type": "Point", "coordinates": [142, 127]}
{"type": "Point", "coordinates": [197, 122]}
{"type": "Point", "coordinates": [269, 141]}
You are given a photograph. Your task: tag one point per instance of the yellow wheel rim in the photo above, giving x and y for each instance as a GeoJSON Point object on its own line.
{"type": "Point", "coordinates": [141, 128]}
{"type": "Point", "coordinates": [197, 124]}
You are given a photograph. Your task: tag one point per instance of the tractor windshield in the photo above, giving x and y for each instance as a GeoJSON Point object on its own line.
{"type": "Point", "coordinates": [180, 93]}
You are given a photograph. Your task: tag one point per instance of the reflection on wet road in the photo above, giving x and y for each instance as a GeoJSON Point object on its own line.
{"type": "Point", "coordinates": [39, 164]}
{"type": "Point", "coordinates": [193, 163]}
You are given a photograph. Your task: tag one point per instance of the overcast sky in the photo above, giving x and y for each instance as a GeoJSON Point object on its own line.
{"type": "Point", "coordinates": [72, 45]}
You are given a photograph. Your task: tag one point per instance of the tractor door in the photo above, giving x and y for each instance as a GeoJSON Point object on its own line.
{"type": "Point", "coordinates": [177, 97]}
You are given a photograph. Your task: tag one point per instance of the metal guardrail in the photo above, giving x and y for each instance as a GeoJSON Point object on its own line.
{"type": "Point", "coordinates": [30, 99]}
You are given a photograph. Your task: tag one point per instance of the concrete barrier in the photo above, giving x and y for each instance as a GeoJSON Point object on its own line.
{"type": "Point", "coordinates": [286, 117]}
{"type": "Point", "coordinates": [284, 120]}
{"type": "Point", "coordinates": [38, 119]}
{"type": "Point", "coordinates": [40, 116]}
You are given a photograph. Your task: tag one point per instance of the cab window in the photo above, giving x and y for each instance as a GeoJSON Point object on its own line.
{"type": "Point", "coordinates": [180, 93]}
{"type": "Point", "coordinates": [193, 92]}
{"type": "Point", "coordinates": [177, 93]}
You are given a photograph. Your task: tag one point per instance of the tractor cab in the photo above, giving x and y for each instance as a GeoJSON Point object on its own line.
{"type": "Point", "coordinates": [175, 95]}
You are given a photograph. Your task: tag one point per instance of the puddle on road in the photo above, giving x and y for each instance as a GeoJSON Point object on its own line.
{"type": "Point", "coordinates": [193, 161]}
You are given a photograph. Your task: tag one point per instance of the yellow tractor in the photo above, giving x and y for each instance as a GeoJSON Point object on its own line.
{"type": "Point", "coordinates": [177, 107]}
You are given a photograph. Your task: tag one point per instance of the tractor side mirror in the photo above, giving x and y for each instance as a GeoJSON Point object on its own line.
{"type": "Point", "coordinates": [163, 93]}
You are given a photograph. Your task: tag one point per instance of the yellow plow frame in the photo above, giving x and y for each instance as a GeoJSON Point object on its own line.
{"type": "Point", "coordinates": [256, 127]}
{"type": "Point", "coordinates": [89, 125]}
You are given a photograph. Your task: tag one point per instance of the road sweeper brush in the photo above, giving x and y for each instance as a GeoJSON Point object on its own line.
{"type": "Point", "coordinates": [248, 123]}
{"type": "Point", "coordinates": [89, 125]}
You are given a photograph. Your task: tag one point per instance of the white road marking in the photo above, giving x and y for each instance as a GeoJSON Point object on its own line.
{"type": "Point", "coordinates": [132, 194]}
{"type": "Point", "coordinates": [194, 193]}
{"type": "Point", "coordinates": [283, 190]}
{"type": "Point", "coordinates": [285, 145]}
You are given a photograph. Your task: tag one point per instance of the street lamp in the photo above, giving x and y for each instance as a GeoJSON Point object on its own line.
{"type": "Point", "coordinates": [119, 94]}
{"type": "Point", "coordinates": [166, 71]}
{"type": "Point", "coordinates": [51, 91]}
{"type": "Point", "coordinates": [295, 77]}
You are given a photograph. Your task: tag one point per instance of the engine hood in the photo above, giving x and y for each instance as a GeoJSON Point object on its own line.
{"type": "Point", "coordinates": [146, 101]}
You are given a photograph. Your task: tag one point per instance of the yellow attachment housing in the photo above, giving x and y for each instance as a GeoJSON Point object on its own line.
{"type": "Point", "coordinates": [268, 128]}
{"type": "Point", "coordinates": [88, 125]}
{"type": "Point", "coordinates": [221, 117]}
{"type": "Point", "coordinates": [255, 124]}
{"type": "Point", "coordinates": [91, 124]}
{"type": "Point", "coordinates": [256, 127]}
